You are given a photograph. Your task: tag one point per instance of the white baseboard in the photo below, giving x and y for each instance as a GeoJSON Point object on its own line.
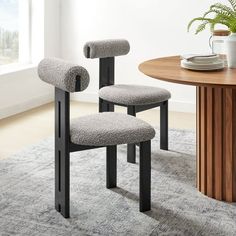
{"type": "Point", "coordinates": [174, 105]}
{"type": "Point", "coordinates": [85, 97]}
{"type": "Point", "coordinates": [181, 106]}
{"type": "Point", "coordinates": [25, 105]}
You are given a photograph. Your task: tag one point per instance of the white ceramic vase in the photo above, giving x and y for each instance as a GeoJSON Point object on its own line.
{"type": "Point", "coordinates": [230, 46]}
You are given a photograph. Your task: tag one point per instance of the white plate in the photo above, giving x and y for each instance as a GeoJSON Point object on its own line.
{"type": "Point", "coordinates": [189, 57]}
{"type": "Point", "coordinates": [202, 65]}
{"type": "Point", "coordinates": [205, 60]}
{"type": "Point", "coordinates": [209, 67]}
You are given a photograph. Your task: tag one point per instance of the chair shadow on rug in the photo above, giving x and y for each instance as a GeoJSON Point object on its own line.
{"type": "Point", "coordinates": [181, 166]}
{"type": "Point", "coordinates": [177, 206]}
{"type": "Point", "coordinates": [176, 223]}
{"type": "Point", "coordinates": [173, 221]}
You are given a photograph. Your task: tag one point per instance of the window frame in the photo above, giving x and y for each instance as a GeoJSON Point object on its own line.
{"type": "Point", "coordinates": [25, 31]}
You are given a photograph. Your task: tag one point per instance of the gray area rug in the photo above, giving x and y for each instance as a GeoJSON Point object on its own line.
{"type": "Point", "coordinates": [27, 195]}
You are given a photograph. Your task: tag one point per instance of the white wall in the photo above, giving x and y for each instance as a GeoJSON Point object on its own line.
{"type": "Point", "coordinates": [22, 90]}
{"type": "Point", "coordinates": [154, 28]}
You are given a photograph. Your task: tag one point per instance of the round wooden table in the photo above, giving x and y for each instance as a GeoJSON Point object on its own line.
{"type": "Point", "coordinates": [216, 123]}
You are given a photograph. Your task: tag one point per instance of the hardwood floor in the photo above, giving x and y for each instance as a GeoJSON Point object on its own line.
{"type": "Point", "coordinates": [30, 127]}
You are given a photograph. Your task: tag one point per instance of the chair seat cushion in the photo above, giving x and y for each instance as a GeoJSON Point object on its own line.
{"type": "Point", "coordinates": [133, 94]}
{"type": "Point", "coordinates": [109, 128]}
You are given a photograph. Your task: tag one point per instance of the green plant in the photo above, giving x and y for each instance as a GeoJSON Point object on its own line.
{"type": "Point", "coordinates": [223, 14]}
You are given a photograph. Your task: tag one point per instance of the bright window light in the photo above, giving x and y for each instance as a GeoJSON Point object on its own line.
{"type": "Point", "coordinates": [15, 29]}
{"type": "Point", "coordinates": [9, 31]}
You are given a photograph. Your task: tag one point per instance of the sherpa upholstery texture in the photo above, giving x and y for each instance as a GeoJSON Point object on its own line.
{"type": "Point", "coordinates": [106, 48]}
{"type": "Point", "coordinates": [63, 74]}
{"type": "Point", "coordinates": [133, 94]}
{"type": "Point", "coordinates": [110, 128]}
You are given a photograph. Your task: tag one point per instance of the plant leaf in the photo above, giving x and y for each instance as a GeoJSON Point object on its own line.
{"type": "Point", "coordinates": [219, 19]}
{"type": "Point", "coordinates": [223, 14]}
{"type": "Point", "coordinates": [198, 19]}
{"type": "Point", "coordinates": [228, 10]}
{"type": "Point", "coordinates": [201, 27]}
{"type": "Point", "coordinates": [233, 4]}
{"type": "Point", "coordinates": [218, 12]}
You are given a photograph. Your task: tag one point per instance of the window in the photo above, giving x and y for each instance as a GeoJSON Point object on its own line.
{"type": "Point", "coordinates": [14, 31]}
{"type": "Point", "coordinates": [9, 31]}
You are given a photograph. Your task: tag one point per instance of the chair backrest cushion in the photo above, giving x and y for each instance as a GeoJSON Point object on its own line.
{"type": "Point", "coordinates": [106, 48]}
{"type": "Point", "coordinates": [64, 75]}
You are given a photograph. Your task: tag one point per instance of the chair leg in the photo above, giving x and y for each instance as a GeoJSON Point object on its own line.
{"type": "Point", "coordinates": [62, 182]}
{"type": "Point", "coordinates": [62, 153]}
{"type": "Point", "coordinates": [131, 148]}
{"type": "Point", "coordinates": [164, 126]}
{"type": "Point", "coordinates": [105, 106]}
{"type": "Point", "coordinates": [145, 177]}
{"type": "Point", "coordinates": [111, 166]}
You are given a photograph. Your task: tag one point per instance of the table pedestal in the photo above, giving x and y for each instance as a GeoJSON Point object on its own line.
{"type": "Point", "coordinates": [216, 142]}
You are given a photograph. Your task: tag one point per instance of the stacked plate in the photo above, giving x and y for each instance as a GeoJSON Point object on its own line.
{"type": "Point", "coordinates": [202, 62]}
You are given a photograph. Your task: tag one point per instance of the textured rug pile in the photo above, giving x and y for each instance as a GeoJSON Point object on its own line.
{"type": "Point", "coordinates": [27, 195]}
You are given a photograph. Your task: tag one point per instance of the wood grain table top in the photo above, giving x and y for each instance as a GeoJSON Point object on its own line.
{"type": "Point", "coordinates": [169, 69]}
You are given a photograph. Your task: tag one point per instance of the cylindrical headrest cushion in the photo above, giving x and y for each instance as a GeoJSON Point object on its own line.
{"type": "Point", "coordinates": [106, 48]}
{"type": "Point", "coordinates": [64, 75]}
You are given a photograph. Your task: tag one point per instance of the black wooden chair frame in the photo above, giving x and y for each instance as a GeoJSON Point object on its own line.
{"type": "Point", "coordinates": [106, 78]}
{"type": "Point", "coordinates": [63, 148]}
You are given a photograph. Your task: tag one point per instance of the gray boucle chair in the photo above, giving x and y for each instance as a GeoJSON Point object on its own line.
{"type": "Point", "coordinates": [135, 98]}
{"type": "Point", "coordinates": [106, 129]}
